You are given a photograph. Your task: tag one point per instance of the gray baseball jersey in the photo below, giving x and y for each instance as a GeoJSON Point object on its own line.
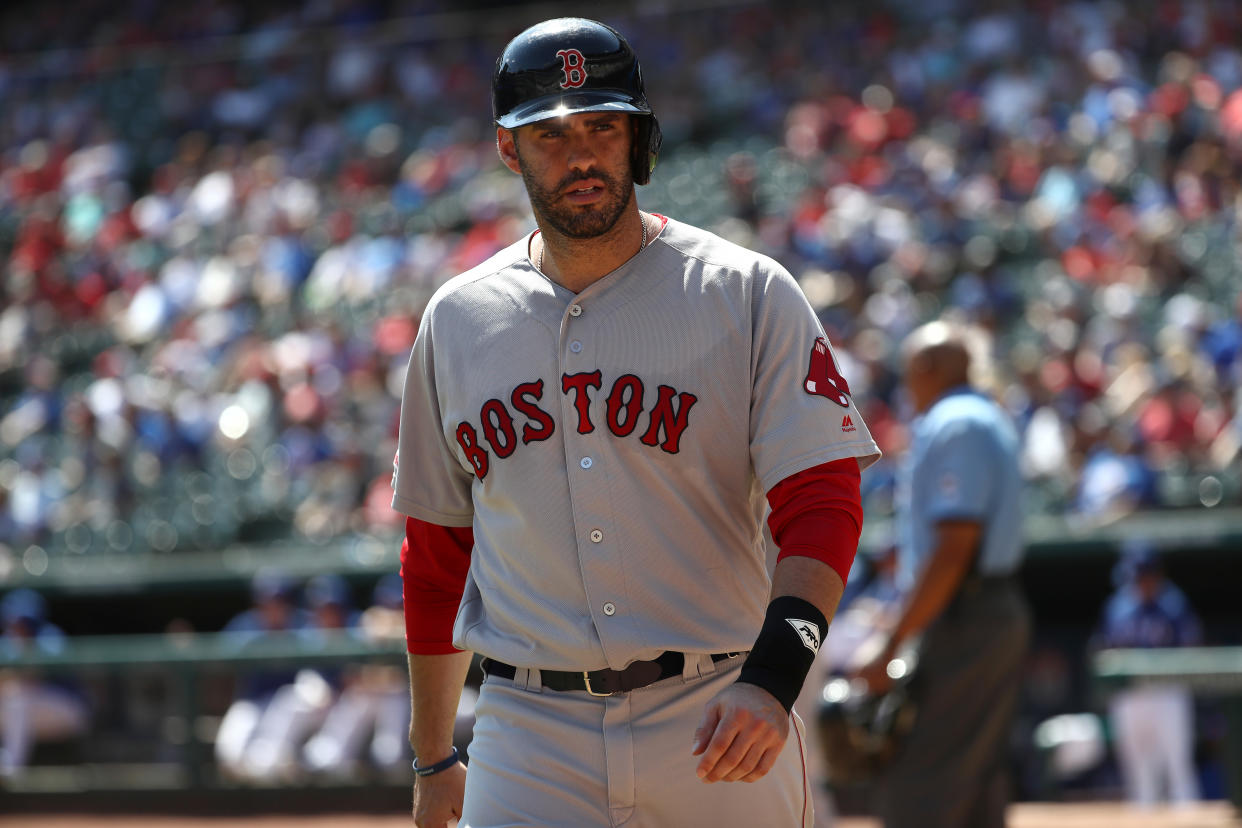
{"type": "Point", "coordinates": [612, 448]}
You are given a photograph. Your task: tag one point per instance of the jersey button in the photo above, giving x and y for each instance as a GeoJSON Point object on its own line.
{"type": "Point", "coordinates": [610, 608]}
{"type": "Point", "coordinates": [575, 346]}
{"type": "Point", "coordinates": [586, 462]}
{"type": "Point", "coordinates": [575, 310]}
{"type": "Point", "coordinates": [596, 536]}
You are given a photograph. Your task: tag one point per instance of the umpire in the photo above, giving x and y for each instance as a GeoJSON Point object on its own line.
{"type": "Point", "coordinates": [959, 520]}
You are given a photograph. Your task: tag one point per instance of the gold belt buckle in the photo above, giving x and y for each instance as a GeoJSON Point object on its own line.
{"type": "Point", "coordinates": [586, 678]}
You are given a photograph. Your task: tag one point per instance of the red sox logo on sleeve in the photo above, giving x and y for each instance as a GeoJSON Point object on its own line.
{"type": "Point", "coordinates": [573, 65]}
{"type": "Point", "coordinates": [823, 379]}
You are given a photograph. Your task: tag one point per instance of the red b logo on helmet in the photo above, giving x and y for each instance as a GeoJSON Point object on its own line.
{"type": "Point", "coordinates": [573, 64]}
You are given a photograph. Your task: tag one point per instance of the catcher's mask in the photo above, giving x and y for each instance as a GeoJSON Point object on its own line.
{"type": "Point", "coordinates": [570, 65]}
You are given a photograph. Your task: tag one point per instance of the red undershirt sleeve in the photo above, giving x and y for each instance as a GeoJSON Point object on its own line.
{"type": "Point", "coordinates": [817, 513]}
{"type": "Point", "coordinates": [434, 563]}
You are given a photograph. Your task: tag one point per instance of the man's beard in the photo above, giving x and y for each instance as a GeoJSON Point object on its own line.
{"type": "Point", "coordinates": [574, 222]}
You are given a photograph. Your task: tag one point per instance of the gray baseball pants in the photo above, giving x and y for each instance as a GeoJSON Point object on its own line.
{"type": "Point", "coordinates": [569, 760]}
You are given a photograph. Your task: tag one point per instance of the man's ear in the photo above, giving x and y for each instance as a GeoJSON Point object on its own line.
{"type": "Point", "coordinates": [506, 148]}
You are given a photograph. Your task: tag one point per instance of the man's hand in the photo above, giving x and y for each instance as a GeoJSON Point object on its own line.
{"type": "Point", "coordinates": [743, 731]}
{"type": "Point", "coordinates": [875, 673]}
{"type": "Point", "coordinates": [438, 798]}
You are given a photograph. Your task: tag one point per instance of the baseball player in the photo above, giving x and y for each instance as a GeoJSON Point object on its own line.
{"type": "Point", "coordinates": [590, 424]}
{"type": "Point", "coordinates": [1153, 723]}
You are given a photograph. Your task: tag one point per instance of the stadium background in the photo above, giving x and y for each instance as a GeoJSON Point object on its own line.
{"type": "Point", "coordinates": [220, 222]}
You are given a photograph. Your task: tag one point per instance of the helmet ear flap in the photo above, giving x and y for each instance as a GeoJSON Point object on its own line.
{"type": "Point", "coordinates": [647, 140]}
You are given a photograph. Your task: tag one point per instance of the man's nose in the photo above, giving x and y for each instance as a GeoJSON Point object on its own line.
{"type": "Point", "coordinates": [581, 152]}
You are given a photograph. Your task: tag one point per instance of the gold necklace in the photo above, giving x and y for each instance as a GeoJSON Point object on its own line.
{"type": "Point", "coordinates": [641, 245]}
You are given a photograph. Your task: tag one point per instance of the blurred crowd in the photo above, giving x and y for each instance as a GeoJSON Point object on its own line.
{"type": "Point", "coordinates": [219, 225]}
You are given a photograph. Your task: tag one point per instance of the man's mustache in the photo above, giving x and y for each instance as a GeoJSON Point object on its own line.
{"type": "Point", "coordinates": [585, 175]}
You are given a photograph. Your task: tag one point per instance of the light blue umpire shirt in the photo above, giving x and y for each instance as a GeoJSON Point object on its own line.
{"type": "Point", "coordinates": [962, 463]}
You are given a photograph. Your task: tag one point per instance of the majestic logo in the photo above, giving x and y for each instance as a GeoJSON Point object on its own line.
{"type": "Point", "coordinates": [807, 631]}
{"type": "Point", "coordinates": [573, 66]}
{"type": "Point", "coordinates": [847, 424]}
{"type": "Point", "coordinates": [823, 379]}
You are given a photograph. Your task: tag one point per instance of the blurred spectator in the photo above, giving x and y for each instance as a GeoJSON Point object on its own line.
{"type": "Point", "coordinates": [33, 709]}
{"type": "Point", "coordinates": [1153, 724]}
{"type": "Point", "coordinates": [371, 718]}
{"type": "Point", "coordinates": [1114, 479]}
{"type": "Point", "coordinates": [330, 606]}
{"type": "Point", "coordinates": [297, 709]}
{"type": "Point", "coordinates": [250, 743]}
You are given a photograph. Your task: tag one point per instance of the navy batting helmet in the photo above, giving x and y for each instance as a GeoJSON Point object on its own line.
{"type": "Point", "coordinates": [569, 65]}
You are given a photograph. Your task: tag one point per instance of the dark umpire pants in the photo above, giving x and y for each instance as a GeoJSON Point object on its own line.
{"type": "Point", "coordinates": [952, 771]}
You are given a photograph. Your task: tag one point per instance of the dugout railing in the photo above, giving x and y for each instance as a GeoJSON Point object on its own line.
{"type": "Point", "coordinates": [56, 574]}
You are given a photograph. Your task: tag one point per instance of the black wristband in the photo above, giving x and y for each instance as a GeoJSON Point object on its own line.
{"type": "Point", "coordinates": [442, 765]}
{"type": "Point", "coordinates": [785, 649]}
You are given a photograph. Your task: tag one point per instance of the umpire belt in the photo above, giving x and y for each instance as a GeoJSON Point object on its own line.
{"type": "Point", "coordinates": [606, 682]}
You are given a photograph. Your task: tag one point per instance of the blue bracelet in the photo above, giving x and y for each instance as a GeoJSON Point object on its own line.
{"type": "Point", "coordinates": [442, 765]}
